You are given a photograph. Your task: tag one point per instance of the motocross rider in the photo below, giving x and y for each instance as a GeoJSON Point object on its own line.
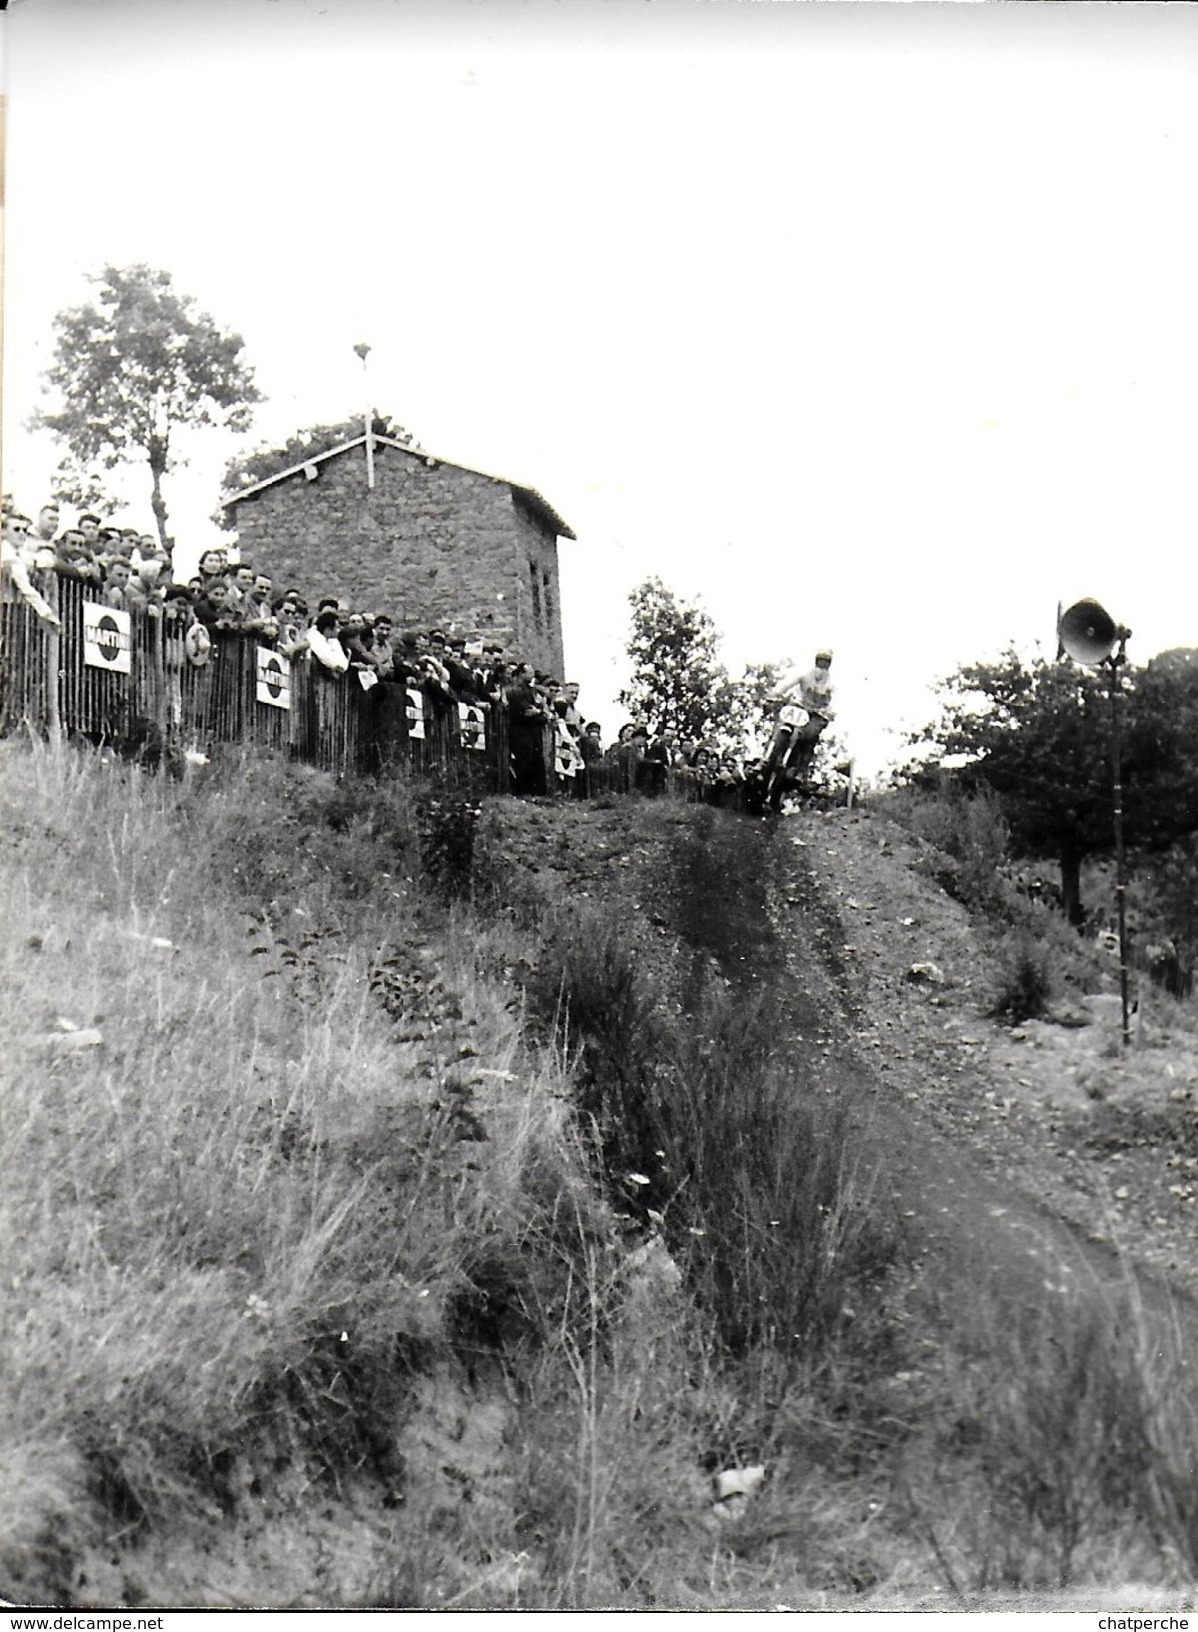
{"type": "Point", "coordinates": [812, 691]}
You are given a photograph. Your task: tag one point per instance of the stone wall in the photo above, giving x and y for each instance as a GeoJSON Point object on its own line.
{"type": "Point", "coordinates": [538, 598]}
{"type": "Point", "coordinates": [431, 543]}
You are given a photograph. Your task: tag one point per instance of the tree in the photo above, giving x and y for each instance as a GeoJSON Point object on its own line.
{"type": "Point", "coordinates": [678, 682]}
{"type": "Point", "coordinates": [137, 366]}
{"type": "Point", "coordinates": [1039, 736]}
{"type": "Point", "coordinates": [748, 714]}
{"type": "Point", "coordinates": [86, 489]}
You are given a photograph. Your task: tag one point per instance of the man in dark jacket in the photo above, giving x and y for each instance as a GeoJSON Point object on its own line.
{"type": "Point", "coordinates": [527, 718]}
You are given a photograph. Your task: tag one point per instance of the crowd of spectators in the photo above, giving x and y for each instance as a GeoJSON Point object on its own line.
{"type": "Point", "coordinates": [133, 571]}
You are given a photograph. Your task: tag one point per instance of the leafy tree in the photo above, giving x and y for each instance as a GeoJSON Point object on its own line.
{"type": "Point", "coordinates": [1166, 911]}
{"type": "Point", "coordinates": [86, 489]}
{"type": "Point", "coordinates": [678, 682]}
{"type": "Point", "coordinates": [747, 713]}
{"type": "Point", "coordinates": [135, 367]}
{"type": "Point", "coordinates": [1039, 736]}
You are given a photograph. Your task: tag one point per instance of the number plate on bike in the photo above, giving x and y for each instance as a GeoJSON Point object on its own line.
{"type": "Point", "coordinates": [792, 715]}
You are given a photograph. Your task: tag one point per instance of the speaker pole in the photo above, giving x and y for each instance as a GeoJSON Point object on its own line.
{"type": "Point", "coordinates": [1115, 662]}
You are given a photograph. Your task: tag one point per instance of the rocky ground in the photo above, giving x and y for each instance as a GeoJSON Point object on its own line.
{"type": "Point", "coordinates": [1057, 1111]}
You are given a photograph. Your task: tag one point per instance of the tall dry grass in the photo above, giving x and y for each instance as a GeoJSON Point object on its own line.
{"type": "Point", "coordinates": [328, 1207]}
{"type": "Point", "coordinates": [238, 1224]}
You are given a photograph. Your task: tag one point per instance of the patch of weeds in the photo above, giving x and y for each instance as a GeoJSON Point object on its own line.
{"type": "Point", "coordinates": [447, 830]}
{"type": "Point", "coordinates": [1025, 987]}
{"type": "Point", "coordinates": [282, 832]}
{"type": "Point", "coordinates": [707, 1137]}
{"type": "Point", "coordinates": [970, 840]}
{"type": "Point", "coordinates": [1114, 1127]}
{"type": "Point", "coordinates": [311, 958]}
{"type": "Point", "coordinates": [1045, 1456]}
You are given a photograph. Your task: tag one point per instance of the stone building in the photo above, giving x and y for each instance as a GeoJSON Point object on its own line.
{"type": "Point", "coordinates": [388, 527]}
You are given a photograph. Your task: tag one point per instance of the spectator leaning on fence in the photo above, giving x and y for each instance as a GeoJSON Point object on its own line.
{"type": "Point", "coordinates": [354, 637]}
{"type": "Point", "coordinates": [212, 608]}
{"type": "Point", "coordinates": [262, 595]}
{"type": "Point", "coordinates": [290, 616]}
{"type": "Point", "coordinates": [324, 645]}
{"type": "Point", "coordinates": [526, 719]}
{"type": "Point", "coordinates": [463, 679]}
{"type": "Point", "coordinates": [239, 579]}
{"type": "Point", "coordinates": [73, 559]}
{"type": "Point", "coordinates": [570, 711]}
{"type": "Point", "coordinates": [15, 583]}
{"type": "Point", "coordinates": [117, 580]}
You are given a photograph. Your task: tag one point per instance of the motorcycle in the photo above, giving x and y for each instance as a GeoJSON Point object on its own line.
{"type": "Point", "coordinates": [791, 753]}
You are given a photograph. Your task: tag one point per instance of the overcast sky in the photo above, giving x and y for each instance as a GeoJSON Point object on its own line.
{"type": "Point", "coordinates": [869, 325]}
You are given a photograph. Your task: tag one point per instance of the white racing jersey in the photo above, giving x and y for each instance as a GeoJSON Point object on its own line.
{"type": "Point", "coordinates": [810, 689]}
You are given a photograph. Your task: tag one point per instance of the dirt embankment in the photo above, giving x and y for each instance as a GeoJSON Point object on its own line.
{"type": "Point", "coordinates": [1034, 1154]}
{"type": "Point", "coordinates": [1067, 1124]}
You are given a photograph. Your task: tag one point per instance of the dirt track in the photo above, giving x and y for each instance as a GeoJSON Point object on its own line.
{"type": "Point", "coordinates": [1014, 1181]}
{"type": "Point", "coordinates": [997, 1173]}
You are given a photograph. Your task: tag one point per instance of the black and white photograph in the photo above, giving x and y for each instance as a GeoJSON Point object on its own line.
{"type": "Point", "coordinates": [599, 810]}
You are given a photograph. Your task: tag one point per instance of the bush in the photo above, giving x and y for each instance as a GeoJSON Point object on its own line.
{"type": "Point", "coordinates": [969, 835]}
{"type": "Point", "coordinates": [705, 1134]}
{"type": "Point", "coordinates": [1025, 986]}
{"type": "Point", "coordinates": [1056, 1436]}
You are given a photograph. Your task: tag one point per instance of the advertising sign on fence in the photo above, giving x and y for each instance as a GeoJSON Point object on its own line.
{"type": "Point", "coordinates": [274, 679]}
{"type": "Point", "coordinates": [415, 712]}
{"type": "Point", "coordinates": [567, 760]}
{"type": "Point", "coordinates": [472, 727]}
{"type": "Point", "coordinates": [107, 638]}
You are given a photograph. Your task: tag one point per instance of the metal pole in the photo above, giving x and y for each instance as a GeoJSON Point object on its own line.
{"type": "Point", "coordinates": [1115, 661]}
{"type": "Point", "coordinates": [362, 350]}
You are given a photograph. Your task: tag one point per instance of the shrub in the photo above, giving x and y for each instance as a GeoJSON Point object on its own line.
{"type": "Point", "coordinates": [447, 828]}
{"type": "Point", "coordinates": [969, 835]}
{"type": "Point", "coordinates": [1056, 1436]}
{"type": "Point", "coordinates": [751, 1179]}
{"type": "Point", "coordinates": [1024, 986]}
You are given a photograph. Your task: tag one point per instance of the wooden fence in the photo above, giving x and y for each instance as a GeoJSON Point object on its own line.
{"type": "Point", "coordinates": [125, 678]}
{"type": "Point", "coordinates": [122, 677]}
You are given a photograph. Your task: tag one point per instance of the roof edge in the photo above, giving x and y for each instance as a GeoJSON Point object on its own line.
{"type": "Point", "coordinates": [529, 494]}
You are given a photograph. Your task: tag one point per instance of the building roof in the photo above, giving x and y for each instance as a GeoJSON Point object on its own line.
{"type": "Point", "coordinates": [529, 495]}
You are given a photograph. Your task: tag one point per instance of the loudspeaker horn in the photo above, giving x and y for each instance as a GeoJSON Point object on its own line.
{"type": "Point", "coordinates": [1087, 631]}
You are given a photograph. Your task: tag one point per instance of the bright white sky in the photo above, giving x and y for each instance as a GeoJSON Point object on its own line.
{"type": "Point", "coordinates": [868, 325]}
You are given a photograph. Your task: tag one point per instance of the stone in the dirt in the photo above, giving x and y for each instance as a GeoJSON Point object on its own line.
{"type": "Point", "coordinates": [926, 974]}
{"type": "Point", "coordinates": [1106, 1006]}
{"type": "Point", "coordinates": [734, 1486]}
{"type": "Point", "coordinates": [68, 1042]}
{"type": "Point", "coordinates": [1071, 1019]}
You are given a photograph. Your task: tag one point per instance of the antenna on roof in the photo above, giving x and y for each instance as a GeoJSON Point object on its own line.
{"type": "Point", "coordinates": [362, 350]}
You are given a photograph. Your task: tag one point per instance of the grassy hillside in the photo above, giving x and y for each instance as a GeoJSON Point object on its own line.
{"type": "Point", "coordinates": [412, 1205]}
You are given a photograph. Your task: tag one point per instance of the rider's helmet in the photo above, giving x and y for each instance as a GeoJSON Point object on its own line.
{"type": "Point", "coordinates": [823, 656]}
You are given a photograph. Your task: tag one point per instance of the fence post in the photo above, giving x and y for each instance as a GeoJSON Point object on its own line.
{"type": "Point", "coordinates": [53, 662]}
